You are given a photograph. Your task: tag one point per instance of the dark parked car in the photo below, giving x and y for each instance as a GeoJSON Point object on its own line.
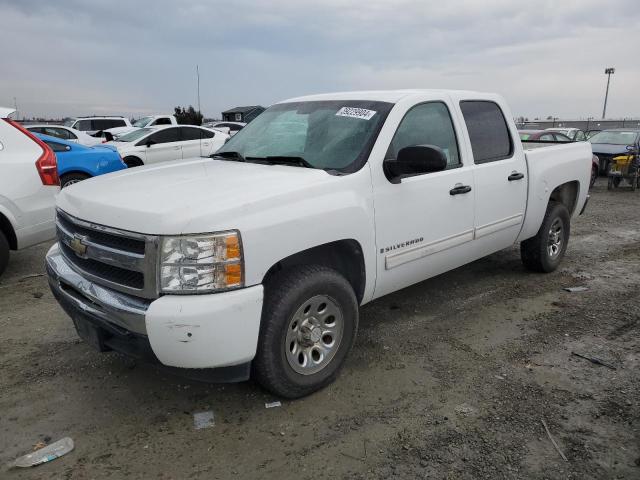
{"type": "Point", "coordinates": [543, 136]}
{"type": "Point", "coordinates": [611, 143]}
{"type": "Point", "coordinates": [591, 133]}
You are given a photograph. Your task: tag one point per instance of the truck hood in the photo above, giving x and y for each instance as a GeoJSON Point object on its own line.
{"type": "Point", "coordinates": [187, 196]}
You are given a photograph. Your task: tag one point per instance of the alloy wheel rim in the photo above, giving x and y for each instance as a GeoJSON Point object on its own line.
{"type": "Point", "coordinates": [70, 182]}
{"type": "Point", "coordinates": [314, 334]}
{"type": "Point", "coordinates": [554, 244]}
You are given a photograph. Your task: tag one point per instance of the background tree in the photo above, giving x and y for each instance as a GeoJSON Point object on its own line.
{"type": "Point", "coordinates": [187, 116]}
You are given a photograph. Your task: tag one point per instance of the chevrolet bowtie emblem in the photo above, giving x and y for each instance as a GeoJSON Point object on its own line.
{"type": "Point", "coordinates": [77, 245]}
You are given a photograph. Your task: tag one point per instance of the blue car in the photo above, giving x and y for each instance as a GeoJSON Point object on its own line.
{"type": "Point", "coordinates": [77, 162]}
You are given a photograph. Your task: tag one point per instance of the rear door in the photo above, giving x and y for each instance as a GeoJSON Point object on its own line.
{"type": "Point", "coordinates": [165, 146]}
{"type": "Point", "coordinates": [500, 174]}
{"type": "Point", "coordinates": [423, 225]}
{"type": "Point", "coordinates": [192, 141]}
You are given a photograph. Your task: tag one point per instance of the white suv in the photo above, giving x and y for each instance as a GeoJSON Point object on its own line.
{"type": "Point", "coordinates": [92, 125]}
{"type": "Point", "coordinates": [28, 185]}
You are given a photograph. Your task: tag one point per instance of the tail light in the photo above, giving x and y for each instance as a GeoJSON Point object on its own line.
{"type": "Point", "coordinates": [46, 165]}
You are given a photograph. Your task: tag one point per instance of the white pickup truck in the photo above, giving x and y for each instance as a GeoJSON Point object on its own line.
{"type": "Point", "coordinates": [256, 260]}
{"type": "Point", "coordinates": [150, 121]}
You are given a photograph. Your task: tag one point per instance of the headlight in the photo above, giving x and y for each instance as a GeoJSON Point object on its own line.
{"type": "Point", "coordinates": [201, 263]}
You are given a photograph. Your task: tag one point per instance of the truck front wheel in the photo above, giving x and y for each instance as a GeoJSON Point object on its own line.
{"type": "Point", "coordinates": [309, 324]}
{"type": "Point", "coordinates": [544, 252]}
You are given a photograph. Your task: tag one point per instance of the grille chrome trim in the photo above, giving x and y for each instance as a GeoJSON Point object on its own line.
{"type": "Point", "coordinates": [100, 250]}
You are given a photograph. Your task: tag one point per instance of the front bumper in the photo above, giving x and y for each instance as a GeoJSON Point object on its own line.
{"type": "Point", "coordinates": [214, 331]}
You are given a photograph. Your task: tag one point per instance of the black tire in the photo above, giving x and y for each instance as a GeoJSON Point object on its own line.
{"type": "Point", "coordinates": [4, 252]}
{"type": "Point", "coordinates": [535, 253]}
{"type": "Point", "coordinates": [285, 294]}
{"type": "Point", "coordinates": [132, 162]}
{"type": "Point", "coordinates": [610, 183]}
{"type": "Point", "coordinates": [71, 178]}
{"type": "Point", "coordinates": [594, 176]}
{"type": "Point", "coordinates": [616, 181]}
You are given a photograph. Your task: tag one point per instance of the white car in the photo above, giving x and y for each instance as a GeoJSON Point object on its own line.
{"type": "Point", "coordinates": [227, 127]}
{"type": "Point", "coordinates": [65, 133]}
{"type": "Point", "coordinates": [153, 145]}
{"type": "Point", "coordinates": [93, 125]}
{"type": "Point", "coordinates": [258, 259]}
{"type": "Point", "coordinates": [152, 121]}
{"type": "Point", "coordinates": [28, 185]}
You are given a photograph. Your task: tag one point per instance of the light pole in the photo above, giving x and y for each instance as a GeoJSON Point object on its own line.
{"type": "Point", "coordinates": [608, 72]}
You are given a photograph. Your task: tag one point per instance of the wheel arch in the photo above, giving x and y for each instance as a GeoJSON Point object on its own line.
{"type": "Point", "coordinates": [76, 171]}
{"type": "Point", "coordinates": [566, 194]}
{"type": "Point", "coordinates": [345, 256]}
{"type": "Point", "coordinates": [7, 228]}
{"type": "Point", "coordinates": [134, 159]}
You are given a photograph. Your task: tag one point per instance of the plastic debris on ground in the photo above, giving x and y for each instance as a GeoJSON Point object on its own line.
{"type": "Point", "coordinates": [45, 454]}
{"type": "Point", "coordinates": [272, 405]}
{"type": "Point", "coordinates": [575, 289]}
{"type": "Point", "coordinates": [203, 420]}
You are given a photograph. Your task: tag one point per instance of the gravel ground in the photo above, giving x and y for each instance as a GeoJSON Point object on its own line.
{"type": "Point", "coordinates": [450, 378]}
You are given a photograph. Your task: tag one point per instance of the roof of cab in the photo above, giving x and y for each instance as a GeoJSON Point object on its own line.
{"type": "Point", "coordinates": [6, 111]}
{"type": "Point", "coordinates": [391, 96]}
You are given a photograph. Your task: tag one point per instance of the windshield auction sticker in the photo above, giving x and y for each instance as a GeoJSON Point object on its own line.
{"type": "Point", "coordinates": [355, 112]}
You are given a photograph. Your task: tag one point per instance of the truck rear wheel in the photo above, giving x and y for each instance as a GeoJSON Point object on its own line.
{"type": "Point", "coordinates": [544, 252]}
{"type": "Point", "coordinates": [4, 252]}
{"type": "Point", "coordinates": [309, 324]}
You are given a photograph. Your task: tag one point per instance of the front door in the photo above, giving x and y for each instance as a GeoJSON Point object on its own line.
{"type": "Point", "coordinates": [165, 146]}
{"type": "Point", "coordinates": [500, 175]}
{"type": "Point", "coordinates": [424, 223]}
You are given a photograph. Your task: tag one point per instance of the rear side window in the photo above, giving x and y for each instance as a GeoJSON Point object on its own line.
{"type": "Point", "coordinates": [161, 121]}
{"type": "Point", "coordinates": [58, 147]}
{"type": "Point", "coordinates": [106, 123]}
{"type": "Point", "coordinates": [190, 133]}
{"type": "Point", "coordinates": [83, 125]}
{"type": "Point", "coordinates": [488, 131]}
{"type": "Point", "coordinates": [427, 124]}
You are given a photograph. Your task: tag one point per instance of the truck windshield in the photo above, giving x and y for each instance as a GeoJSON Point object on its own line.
{"type": "Point", "coordinates": [142, 122]}
{"type": "Point", "coordinates": [329, 135]}
{"type": "Point", "coordinates": [615, 137]}
{"type": "Point", "coordinates": [69, 122]}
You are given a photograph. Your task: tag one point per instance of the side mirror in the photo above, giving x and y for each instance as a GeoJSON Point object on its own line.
{"type": "Point", "coordinates": [148, 143]}
{"type": "Point", "coordinates": [415, 160]}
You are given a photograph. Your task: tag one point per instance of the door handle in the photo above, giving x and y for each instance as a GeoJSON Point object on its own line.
{"type": "Point", "coordinates": [177, 148]}
{"type": "Point", "coordinates": [459, 189]}
{"type": "Point", "coordinates": [515, 176]}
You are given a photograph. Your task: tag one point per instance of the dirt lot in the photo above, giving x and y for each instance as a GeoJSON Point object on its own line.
{"type": "Point", "coordinates": [449, 379]}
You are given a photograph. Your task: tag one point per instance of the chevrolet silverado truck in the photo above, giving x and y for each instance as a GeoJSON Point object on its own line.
{"type": "Point", "coordinates": [256, 260]}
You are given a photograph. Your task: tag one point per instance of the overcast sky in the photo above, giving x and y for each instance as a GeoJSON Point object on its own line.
{"type": "Point", "coordinates": [71, 57]}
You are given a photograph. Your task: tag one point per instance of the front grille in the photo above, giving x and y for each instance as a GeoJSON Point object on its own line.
{"type": "Point", "coordinates": [107, 239]}
{"type": "Point", "coordinates": [121, 260]}
{"type": "Point", "coordinates": [110, 273]}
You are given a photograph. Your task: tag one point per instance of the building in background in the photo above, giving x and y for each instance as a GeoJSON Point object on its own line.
{"type": "Point", "coordinates": [242, 114]}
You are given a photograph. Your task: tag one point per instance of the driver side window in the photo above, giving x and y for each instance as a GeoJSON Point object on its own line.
{"type": "Point", "coordinates": [167, 135]}
{"type": "Point", "coordinates": [427, 124]}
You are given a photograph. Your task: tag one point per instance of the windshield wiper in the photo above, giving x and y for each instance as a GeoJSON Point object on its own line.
{"type": "Point", "coordinates": [283, 160]}
{"type": "Point", "coordinates": [235, 156]}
